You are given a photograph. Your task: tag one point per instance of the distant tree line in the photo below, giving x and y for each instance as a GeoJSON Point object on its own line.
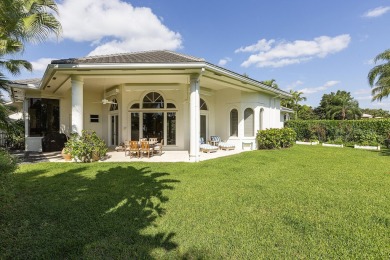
{"type": "Point", "coordinates": [338, 105]}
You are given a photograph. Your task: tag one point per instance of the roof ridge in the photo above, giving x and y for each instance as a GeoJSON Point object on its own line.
{"type": "Point", "coordinates": [140, 52]}
{"type": "Point", "coordinates": [185, 55]}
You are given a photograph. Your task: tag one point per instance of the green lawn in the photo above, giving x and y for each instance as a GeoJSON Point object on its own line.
{"type": "Point", "coordinates": [303, 202]}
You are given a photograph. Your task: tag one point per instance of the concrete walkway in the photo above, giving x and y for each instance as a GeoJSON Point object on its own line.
{"type": "Point", "coordinates": [113, 156]}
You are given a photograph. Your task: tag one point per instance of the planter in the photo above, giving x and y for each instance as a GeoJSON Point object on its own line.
{"type": "Point", "coordinates": [333, 145]}
{"type": "Point", "coordinates": [66, 156]}
{"type": "Point", "coordinates": [367, 147]}
{"type": "Point", "coordinates": [95, 157]}
{"type": "Point", "coordinates": [307, 143]}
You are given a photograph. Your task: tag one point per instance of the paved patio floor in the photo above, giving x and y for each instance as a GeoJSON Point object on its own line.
{"type": "Point", "coordinates": [113, 156]}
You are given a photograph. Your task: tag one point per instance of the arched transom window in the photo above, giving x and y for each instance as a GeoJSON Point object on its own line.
{"type": "Point", "coordinates": [153, 100]}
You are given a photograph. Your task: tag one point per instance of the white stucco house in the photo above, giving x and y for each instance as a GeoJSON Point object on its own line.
{"type": "Point", "coordinates": [163, 94]}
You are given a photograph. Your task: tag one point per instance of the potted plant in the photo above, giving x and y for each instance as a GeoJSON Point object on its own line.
{"type": "Point", "coordinates": [87, 147]}
{"type": "Point", "coordinates": [66, 153]}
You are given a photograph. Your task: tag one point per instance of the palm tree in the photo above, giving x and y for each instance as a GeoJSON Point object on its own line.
{"type": "Point", "coordinates": [344, 105]}
{"type": "Point", "coordinates": [293, 102]}
{"type": "Point", "coordinates": [24, 21]}
{"type": "Point", "coordinates": [379, 77]}
{"type": "Point", "coordinates": [271, 83]}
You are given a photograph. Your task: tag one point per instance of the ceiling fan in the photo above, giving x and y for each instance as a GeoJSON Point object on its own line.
{"type": "Point", "coordinates": [105, 101]}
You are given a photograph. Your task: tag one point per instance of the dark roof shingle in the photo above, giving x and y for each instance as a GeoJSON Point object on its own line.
{"type": "Point", "coordinates": [134, 57]}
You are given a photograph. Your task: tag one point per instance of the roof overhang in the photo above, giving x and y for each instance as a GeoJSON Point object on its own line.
{"type": "Point", "coordinates": [204, 69]}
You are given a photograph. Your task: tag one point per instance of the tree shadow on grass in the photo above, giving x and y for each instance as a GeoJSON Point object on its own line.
{"type": "Point", "coordinates": [76, 215]}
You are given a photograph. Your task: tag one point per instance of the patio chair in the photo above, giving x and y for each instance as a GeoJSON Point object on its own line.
{"type": "Point", "coordinates": [143, 139]}
{"type": "Point", "coordinates": [215, 140]}
{"type": "Point", "coordinates": [207, 148]}
{"type": "Point", "coordinates": [146, 149]}
{"type": "Point", "coordinates": [152, 140]}
{"type": "Point", "coordinates": [132, 148]}
{"type": "Point", "coordinates": [158, 147]}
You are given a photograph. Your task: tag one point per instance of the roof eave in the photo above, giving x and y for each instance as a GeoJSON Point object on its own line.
{"type": "Point", "coordinates": [188, 65]}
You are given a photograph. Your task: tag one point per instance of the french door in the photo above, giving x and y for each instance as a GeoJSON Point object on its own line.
{"type": "Point", "coordinates": [114, 130]}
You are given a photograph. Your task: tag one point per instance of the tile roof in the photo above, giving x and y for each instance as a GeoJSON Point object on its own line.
{"type": "Point", "coordinates": [134, 57]}
{"type": "Point", "coordinates": [35, 81]}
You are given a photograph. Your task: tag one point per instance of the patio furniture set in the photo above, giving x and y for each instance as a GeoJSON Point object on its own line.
{"type": "Point", "coordinates": [142, 147]}
{"type": "Point", "coordinates": [214, 144]}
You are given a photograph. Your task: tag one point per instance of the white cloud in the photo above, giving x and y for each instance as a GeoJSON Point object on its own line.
{"type": "Point", "coordinates": [287, 53]}
{"type": "Point", "coordinates": [114, 26]}
{"type": "Point", "coordinates": [362, 91]}
{"type": "Point", "coordinates": [364, 98]}
{"type": "Point", "coordinates": [224, 61]}
{"type": "Point", "coordinates": [327, 85]}
{"type": "Point", "coordinates": [294, 85]}
{"type": "Point", "coordinates": [261, 45]}
{"type": "Point", "coordinates": [376, 12]}
{"type": "Point", "coordinates": [41, 64]}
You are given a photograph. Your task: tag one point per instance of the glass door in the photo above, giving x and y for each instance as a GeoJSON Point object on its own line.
{"type": "Point", "coordinates": [114, 130]}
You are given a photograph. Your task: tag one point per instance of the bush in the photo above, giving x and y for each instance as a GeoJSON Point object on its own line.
{"type": "Point", "coordinates": [349, 131]}
{"type": "Point", "coordinates": [85, 147]}
{"type": "Point", "coordinates": [276, 138]}
{"type": "Point", "coordinates": [8, 164]}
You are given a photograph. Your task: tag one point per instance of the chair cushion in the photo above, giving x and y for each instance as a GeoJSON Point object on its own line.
{"type": "Point", "coordinates": [208, 147]}
{"type": "Point", "coordinates": [227, 145]}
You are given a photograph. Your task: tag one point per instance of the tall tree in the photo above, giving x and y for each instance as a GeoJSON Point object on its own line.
{"type": "Point", "coordinates": [23, 21]}
{"type": "Point", "coordinates": [339, 105]}
{"type": "Point", "coordinates": [379, 77]}
{"type": "Point", "coordinates": [293, 102]}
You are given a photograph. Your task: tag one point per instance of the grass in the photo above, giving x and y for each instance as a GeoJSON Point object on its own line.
{"type": "Point", "coordinates": [304, 202]}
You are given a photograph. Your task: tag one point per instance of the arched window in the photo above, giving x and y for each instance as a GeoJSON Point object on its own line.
{"type": "Point", "coordinates": [153, 100]}
{"type": "Point", "coordinates": [234, 122]}
{"type": "Point", "coordinates": [248, 123]}
{"type": "Point", "coordinates": [114, 105]}
{"type": "Point", "coordinates": [203, 105]}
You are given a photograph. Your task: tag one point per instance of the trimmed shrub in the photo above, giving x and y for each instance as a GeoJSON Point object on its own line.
{"type": "Point", "coordinates": [349, 131]}
{"type": "Point", "coordinates": [8, 164]}
{"type": "Point", "coordinates": [276, 138]}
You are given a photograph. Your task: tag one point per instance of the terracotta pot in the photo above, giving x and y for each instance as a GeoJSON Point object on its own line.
{"type": "Point", "coordinates": [66, 156]}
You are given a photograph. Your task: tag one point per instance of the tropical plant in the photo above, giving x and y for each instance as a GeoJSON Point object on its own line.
{"type": "Point", "coordinates": [85, 147]}
{"type": "Point", "coordinates": [271, 83]}
{"type": "Point", "coordinates": [24, 21]}
{"type": "Point", "coordinates": [340, 105]}
{"type": "Point", "coordinates": [379, 77]}
{"type": "Point", "coordinates": [293, 102]}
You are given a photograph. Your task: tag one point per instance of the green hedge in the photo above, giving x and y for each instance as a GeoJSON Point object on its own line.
{"type": "Point", "coordinates": [276, 138]}
{"type": "Point", "coordinates": [8, 165]}
{"type": "Point", "coordinates": [374, 131]}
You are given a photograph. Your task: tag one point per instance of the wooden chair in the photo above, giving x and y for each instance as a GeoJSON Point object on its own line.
{"type": "Point", "coordinates": [158, 147]}
{"type": "Point", "coordinates": [133, 148]}
{"type": "Point", "coordinates": [145, 148]}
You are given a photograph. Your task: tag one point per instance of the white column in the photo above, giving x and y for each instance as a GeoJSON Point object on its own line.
{"type": "Point", "coordinates": [26, 117]}
{"type": "Point", "coordinates": [194, 118]}
{"type": "Point", "coordinates": [77, 104]}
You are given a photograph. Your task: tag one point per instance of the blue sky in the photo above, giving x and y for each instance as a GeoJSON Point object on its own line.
{"type": "Point", "coordinates": [313, 46]}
